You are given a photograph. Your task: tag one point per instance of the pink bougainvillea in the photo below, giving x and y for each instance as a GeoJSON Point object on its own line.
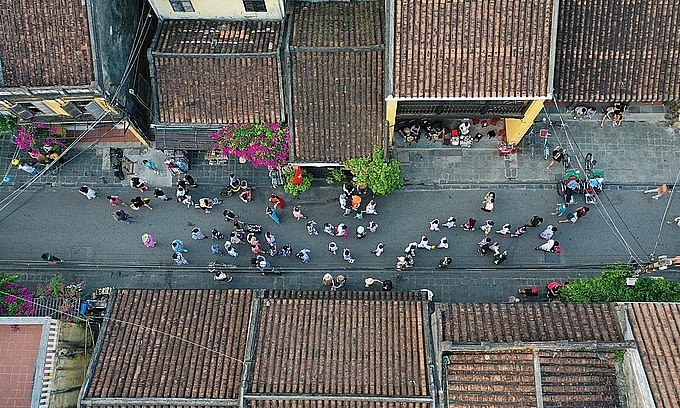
{"type": "Point", "coordinates": [33, 138]}
{"type": "Point", "coordinates": [260, 144]}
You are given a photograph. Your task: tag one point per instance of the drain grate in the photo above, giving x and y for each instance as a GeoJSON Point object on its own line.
{"type": "Point", "coordinates": [81, 253]}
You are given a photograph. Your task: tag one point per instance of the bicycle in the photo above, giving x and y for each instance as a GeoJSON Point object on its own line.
{"type": "Point", "coordinates": [219, 271]}
{"type": "Point", "coordinates": [566, 161]}
{"type": "Point", "coordinates": [532, 142]}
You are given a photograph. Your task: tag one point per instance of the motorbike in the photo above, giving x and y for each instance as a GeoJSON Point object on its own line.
{"type": "Point", "coordinates": [234, 188]}
{"type": "Point", "coordinates": [242, 226]}
{"type": "Point", "coordinates": [117, 163]}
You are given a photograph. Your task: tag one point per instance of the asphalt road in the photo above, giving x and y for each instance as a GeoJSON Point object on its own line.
{"type": "Point", "coordinates": [102, 252]}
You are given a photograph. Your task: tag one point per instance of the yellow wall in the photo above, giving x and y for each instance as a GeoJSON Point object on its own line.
{"type": "Point", "coordinates": [219, 9]}
{"type": "Point", "coordinates": [391, 116]}
{"type": "Point", "coordinates": [515, 129]}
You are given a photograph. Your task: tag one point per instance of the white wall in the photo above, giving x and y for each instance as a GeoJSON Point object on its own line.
{"type": "Point", "coordinates": [219, 9]}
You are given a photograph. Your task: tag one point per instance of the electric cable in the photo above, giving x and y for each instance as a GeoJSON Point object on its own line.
{"type": "Point", "coordinates": [665, 213]}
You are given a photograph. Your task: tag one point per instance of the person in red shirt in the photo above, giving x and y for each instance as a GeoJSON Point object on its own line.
{"type": "Point", "coordinates": [278, 201]}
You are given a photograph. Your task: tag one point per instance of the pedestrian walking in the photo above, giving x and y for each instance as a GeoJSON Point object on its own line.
{"type": "Point", "coordinates": [187, 200]}
{"type": "Point", "coordinates": [519, 231]}
{"type": "Point", "coordinates": [535, 221]}
{"type": "Point", "coordinates": [361, 231]}
{"type": "Point", "coordinates": [120, 215]}
{"type": "Point", "coordinates": [311, 228]}
{"type": "Point", "coordinates": [469, 224]}
{"type": "Point", "coordinates": [328, 228]}
{"type": "Point", "coordinates": [273, 250]}
{"type": "Point", "coordinates": [576, 215]}
{"type": "Point", "coordinates": [235, 238]}
{"type": "Point", "coordinates": [561, 209]}
{"type": "Point", "coordinates": [139, 184]}
{"type": "Point", "coordinates": [178, 246]}
{"type": "Point", "coordinates": [216, 234]}
{"type": "Point", "coordinates": [229, 215]}
{"type": "Point", "coordinates": [443, 243]}
{"type": "Point", "coordinates": [115, 201]}
{"type": "Point", "coordinates": [341, 230]}
{"type": "Point", "coordinates": [404, 262]}
{"type": "Point", "coordinates": [488, 201]}
{"type": "Point", "coordinates": [179, 258]}
{"type": "Point", "coordinates": [450, 222]}
{"type": "Point", "coordinates": [341, 280]}
{"type": "Point", "coordinates": [278, 201]}
{"type": "Point", "coordinates": [333, 248]}
{"type": "Point", "coordinates": [148, 241]}
{"type": "Point", "coordinates": [557, 156]}
{"type": "Point", "coordinates": [505, 230]}
{"type": "Point", "coordinates": [229, 247]}
{"type": "Point", "coordinates": [550, 246]}
{"type": "Point", "coordinates": [359, 215]}
{"type": "Point", "coordinates": [411, 249]}
{"type": "Point", "coordinates": [425, 243]}
{"type": "Point", "coordinates": [487, 227]}
{"type": "Point", "coordinates": [444, 262]}
{"type": "Point", "coordinates": [500, 257]}
{"type": "Point", "coordinates": [149, 164]}
{"type": "Point", "coordinates": [50, 259]}
{"type": "Point", "coordinates": [548, 232]}
{"type": "Point", "coordinates": [271, 212]}
{"type": "Point", "coordinates": [87, 192]}
{"type": "Point", "coordinates": [347, 256]}
{"type": "Point", "coordinates": [303, 255]}
{"type": "Point", "coordinates": [216, 249]}
{"type": "Point", "coordinates": [196, 233]}
{"type": "Point", "coordinates": [434, 225]}
{"type": "Point", "coordinates": [343, 204]}
{"type": "Point", "coordinates": [675, 221]}
{"type": "Point", "coordinates": [370, 208]}
{"type": "Point", "coordinates": [286, 250]}
{"type": "Point", "coordinates": [327, 280]}
{"type": "Point", "coordinates": [139, 202]}
{"type": "Point", "coordinates": [160, 194]}
{"type": "Point", "coordinates": [379, 249]}
{"type": "Point", "coordinates": [660, 191]}
{"type": "Point", "coordinates": [372, 226]}
{"type": "Point", "coordinates": [270, 238]}
{"type": "Point", "coordinates": [297, 213]}
{"type": "Point", "coordinates": [484, 246]}
{"type": "Point", "coordinates": [255, 248]}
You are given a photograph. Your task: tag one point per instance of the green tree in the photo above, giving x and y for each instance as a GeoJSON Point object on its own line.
{"type": "Point", "coordinates": [612, 287]}
{"type": "Point", "coordinates": [382, 177]}
{"type": "Point", "coordinates": [8, 124]}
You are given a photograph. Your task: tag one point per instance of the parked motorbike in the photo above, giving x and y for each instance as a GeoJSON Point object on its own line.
{"type": "Point", "coordinates": [234, 188]}
{"type": "Point", "coordinates": [117, 163]}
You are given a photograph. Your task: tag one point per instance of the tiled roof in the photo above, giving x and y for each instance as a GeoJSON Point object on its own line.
{"type": "Point", "coordinates": [234, 81]}
{"type": "Point", "coordinates": [334, 24]}
{"type": "Point", "coordinates": [338, 94]}
{"type": "Point", "coordinates": [508, 379]}
{"type": "Point", "coordinates": [529, 322]}
{"type": "Point", "coordinates": [218, 37]}
{"type": "Point", "coordinates": [332, 404]}
{"type": "Point", "coordinates": [472, 48]}
{"type": "Point", "coordinates": [318, 344]}
{"type": "Point", "coordinates": [173, 344]}
{"type": "Point", "coordinates": [618, 51]}
{"type": "Point", "coordinates": [656, 327]}
{"type": "Point", "coordinates": [44, 43]}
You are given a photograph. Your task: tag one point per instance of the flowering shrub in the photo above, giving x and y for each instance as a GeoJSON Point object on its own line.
{"type": "Point", "coordinates": [257, 143]}
{"type": "Point", "coordinates": [35, 138]}
{"type": "Point", "coordinates": [69, 295]}
{"type": "Point", "coordinates": [15, 299]}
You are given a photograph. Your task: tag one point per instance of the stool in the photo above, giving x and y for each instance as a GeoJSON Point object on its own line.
{"type": "Point", "coordinates": [494, 121]}
{"type": "Point", "coordinates": [475, 121]}
{"type": "Point", "coordinates": [485, 123]}
{"type": "Point", "coordinates": [543, 133]}
{"type": "Point", "coordinates": [501, 133]}
{"type": "Point", "coordinates": [491, 133]}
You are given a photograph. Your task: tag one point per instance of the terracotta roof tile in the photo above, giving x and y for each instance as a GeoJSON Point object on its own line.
{"type": "Point", "coordinates": [528, 322]}
{"type": "Point", "coordinates": [220, 87]}
{"type": "Point", "coordinates": [218, 37]}
{"type": "Point", "coordinates": [335, 345]}
{"type": "Point", "coordinates": [142, 355]}
{"type": "Point", "coordinates": [493, 379]}
{"type": "Point", "coordinates": [44, 43]}
{"type": "Point", "coordinates": [331, 404]}
{"type": "Point", "coordinates": [578, 379]}
{"type": "Point", "coordinates": [334, 24]}
{"type": "Point", "coordinates": [656, 328]}
{"type": "Point", "coordinates": [472, 48]}
{"type": "Point", "coordinates": [338, 95]}
{"type": "Point", "coordinates": [618, 51]}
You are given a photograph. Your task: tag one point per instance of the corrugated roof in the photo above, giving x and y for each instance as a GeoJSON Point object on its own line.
{"type": "Point", "coordinates": [618, 51]}
{"type": "Point", "coordinates": [218, 72]}
{"type": "Point", "coordinates": [472, 48]}
{"type": "Point", "coordinates": [337, 24]}
{"type": "Point", "coordinates": [218, 37]}
{"type": "Point", "coordinates": [337, 80]}
{"type": "Point", "coordinates": [656, 328]}
{"type": "Point", "coordinates": [45, 43]}
{"type": "Point", "coordinates": [529, 322]}
{"type": "Point", "coordinates": [322, 345]}
{"type": "Point", "coordinates": [173, 344]}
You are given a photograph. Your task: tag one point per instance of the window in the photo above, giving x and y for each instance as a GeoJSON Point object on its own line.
{"type": "Point", "coordinates": [182, 6]}
{"type": "Point", "coordinates": [257, 6]}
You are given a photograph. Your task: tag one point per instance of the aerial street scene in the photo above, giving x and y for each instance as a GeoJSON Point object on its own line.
{"type": "Point", "coordinates": [339, 204]}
